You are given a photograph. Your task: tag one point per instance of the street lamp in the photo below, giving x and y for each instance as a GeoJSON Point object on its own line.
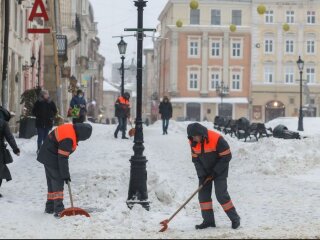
{"type": "Point", "coordinates": [222, 91]}
{"type": "Point", "coordinates": [300, 64]}
{"type": "Point", "coordinates": [122, 46]}
{"type": "Point", "coordinates": [138, 193]}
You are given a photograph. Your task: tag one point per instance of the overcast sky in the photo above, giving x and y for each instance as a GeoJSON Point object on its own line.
{"type": "Point", "coordinates": [115, 15]}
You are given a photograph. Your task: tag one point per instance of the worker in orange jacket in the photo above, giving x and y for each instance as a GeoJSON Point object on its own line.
{"type": "Point", "coordinates": [122, 112]}
{"type": "Point", "coordinates": [211, 156]}
{"type": "Point", "coordinates": [54, 154]}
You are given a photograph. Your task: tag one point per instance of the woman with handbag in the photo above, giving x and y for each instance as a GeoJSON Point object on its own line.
{"type": "Point", "coordinates": [5, 156]}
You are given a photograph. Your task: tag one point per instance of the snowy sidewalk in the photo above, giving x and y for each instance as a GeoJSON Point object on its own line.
{"type": "Point", "coordinates": [274, 185]}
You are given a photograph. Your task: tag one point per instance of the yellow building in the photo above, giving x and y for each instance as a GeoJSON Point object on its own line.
{"type": "Point", "coordinates": [287, 30]}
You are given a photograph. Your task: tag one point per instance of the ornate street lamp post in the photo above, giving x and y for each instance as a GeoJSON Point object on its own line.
{"type": "Point", "coordinates": [300, 64]}
{"type": "Point", "coordinates": [222, 91]}
{"type": "Point", "coordinates": [122, 46]}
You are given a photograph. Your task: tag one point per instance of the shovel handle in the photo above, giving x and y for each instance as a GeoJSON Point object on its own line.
{"type": "Point", "coordinates": [70, 194]}
{"type": "Point", "coordinates": [189, 199]}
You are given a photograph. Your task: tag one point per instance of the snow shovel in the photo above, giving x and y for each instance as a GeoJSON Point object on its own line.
{"type": "Point", "coordinates": [132, 131]}
{"type": "Point", "coordinates": [166, 222]}
{"type": "Point", "coordinates": [73, 211]}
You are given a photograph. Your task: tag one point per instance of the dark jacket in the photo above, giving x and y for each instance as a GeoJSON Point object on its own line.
{"type": "Point", "coordinates": [45, 112]}
{"type": "Point", "coordinates": [212, 155]}
{"type": "Point", "coordinates": [165, 109]}
{"type": "Point", "coordinates": [79, 102]}
{"type": "Point", "coordinates": [54, 152]}
{"type": "Point", "coordinates": [5, 134]}
{"type": "Point", "coordinates": [122, 108]}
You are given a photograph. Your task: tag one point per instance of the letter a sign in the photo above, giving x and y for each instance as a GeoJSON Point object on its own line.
{"type": "Point", "coordinates": [35, 14]}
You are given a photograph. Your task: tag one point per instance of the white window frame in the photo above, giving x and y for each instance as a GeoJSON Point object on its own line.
{"type": "Point", "coordinates": [309, 46]}
{"type": "Point", "coordinates": [217, 71]}
{"type": "Point", "coordinates": [290, 16]}
{"type": "Point", "coordinates": [289, 41]}
{"type": "Point", "coordinates": [267, 42]}
{"type": "Point", "coordinates": [269, 17]}
{"type": "Point", "coordinates": [289, 75]}
{"type": "Point", "coordinates": [215, 41]}
{"type": "Point", "coordinates": [236, 72]}
{"type": "Point", "coordinates": [194, 39]}
{"type": "Point", "coordinates": [267, 74]}
{"type": "Point", "coordinates": [236, 41]}
{"type": "Point", "coordinates": [311, 17]}
{"type": "Point", "coordinates": [313, 76]}
{"type": "Point", "coordinates": [194, 70]}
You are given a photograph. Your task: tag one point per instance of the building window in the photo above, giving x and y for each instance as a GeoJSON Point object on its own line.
{"type": "Point", "coordinates": [269, 16]}
{"type": "Point", "coordinates": [311, 17]}
{"type": "Point", "coordinates": [16, 17]}
{"type": "Point", "coordinates": [236, 46]}
{"type": "Point", "coordinates": [236, 81]}
{"type": "Point", "coordinates": [311, 46]}
{"type": "Point", "coordinates": [194, 48]}
{"type": "Point", "coordinates": [268, 74]}
{"type": "Point", "coordinates": [290, 16]}
{"type": "Point", "coordinates": [289, 75]}
{"type": "Point", "coordinates": [268, 46]}
{"type": "Point", "coordinates": [236, 17]}
{"type": "Point", "coordinates": [193, 80]}
{"type": "Point", "coordinates": [214, 79]}
{"type": "Point", "coordinates": [21, 24]}
{"type": "Point", "coordinates": [311, 75]}
{"type": "Point", "coordinates": [289, 46]}
{"type": "Point", "coordinates": [215, 49]}
{"type": "Point", "coordinates": [216, 17]}
{"type": "Point", "coordinates": [195, 16]}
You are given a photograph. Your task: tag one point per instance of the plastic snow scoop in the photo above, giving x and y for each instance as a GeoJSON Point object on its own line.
{"type": "Point", "coordinates": [132, 131]}
{"type": "Point", "coordinates": [73, 211]}
{"type": "Point", "coordinates": [167, 221]}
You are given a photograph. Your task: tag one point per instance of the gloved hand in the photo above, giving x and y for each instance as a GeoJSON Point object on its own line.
{"type": "Point", "coordinates": [16, 151]}
{"type": "Point", "coordinates": [67, 180]}
{"type": "Point", "coordinates": [208, 179]}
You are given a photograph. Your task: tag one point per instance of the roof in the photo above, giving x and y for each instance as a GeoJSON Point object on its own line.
{"type": "Point", "coordinates": [107, 87]}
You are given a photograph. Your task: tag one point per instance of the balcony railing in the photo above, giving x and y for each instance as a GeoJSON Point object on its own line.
{"type": "Point", "coordinates": [62, 45]}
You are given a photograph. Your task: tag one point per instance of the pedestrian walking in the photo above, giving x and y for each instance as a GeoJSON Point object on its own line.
{"type": "Point", "coordinates": [78, 108]}
{"type": "Point", "coordinates": [5, 156]}
{"type": "Point", "coordinates": [165, 109]}
{"type": "Point", "coordinates": [211, 155]}
{"type": "Point", "coordinates": [45, 111]}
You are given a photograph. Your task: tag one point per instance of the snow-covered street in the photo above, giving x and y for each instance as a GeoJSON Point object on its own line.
{"type": "Point", "coordinates": [274, 184]}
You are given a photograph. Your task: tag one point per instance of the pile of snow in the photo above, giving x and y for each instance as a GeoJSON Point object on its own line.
{"type": "Point", "coordinates": [274, 184]}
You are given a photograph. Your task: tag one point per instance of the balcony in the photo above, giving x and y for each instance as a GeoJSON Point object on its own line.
{"type": "Point", "coordinates": [62, 45]}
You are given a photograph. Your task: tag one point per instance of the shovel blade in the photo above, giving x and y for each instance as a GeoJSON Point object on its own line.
{"type": "Point", "coordinates": [132, 132]}
{"type": "Point", "coordinates": [164, 225]}
{"type": "Point", "coordinates": [74, 212]}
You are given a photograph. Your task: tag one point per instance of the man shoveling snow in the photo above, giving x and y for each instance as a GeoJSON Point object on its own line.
{"type": "Point", "coordinates": [211, 156]}
{"type": "Point", "coordinates": [54, 154]}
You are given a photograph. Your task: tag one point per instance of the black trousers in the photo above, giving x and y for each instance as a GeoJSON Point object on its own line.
{"type": "Point", "coordinates": [122, 126]}
{"type": "Point", "coordinates": [55, 190]}
{"type": "Point", "coordinates": [223, 197]}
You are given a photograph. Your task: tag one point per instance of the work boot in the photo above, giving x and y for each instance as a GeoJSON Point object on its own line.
{"type": "Point", "coordinates": [236, 223]}
{"type": "Point", "coordinates": [205, 225]}
{"type": "Point", "coordinates": [124, 137]}
{"type": "Point", "coordinates": [57, 215]}
{"type": "Point", "coordinates": [1, 195]}
{"type": "Point", "coordinates": [115, 135]}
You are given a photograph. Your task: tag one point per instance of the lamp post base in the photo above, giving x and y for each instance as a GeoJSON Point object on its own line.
{"type": "Point", "coordinates": [300, 124]}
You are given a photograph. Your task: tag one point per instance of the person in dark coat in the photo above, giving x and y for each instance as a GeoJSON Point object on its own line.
{"type": "Point", "coordinates": [122, 110]}
{"type": "Point", "coordinates": [54, 155]}
{"type": "Point", "coordinates": [45, 111]}
{"type": "Point", "coordinates": [5, 134]}
{"type": "Point", "coordinates": [80, 102]}
{"type": "Point", "coordinates": [165, 109]}
{"type": "Point", "coordinates": [211, 156]}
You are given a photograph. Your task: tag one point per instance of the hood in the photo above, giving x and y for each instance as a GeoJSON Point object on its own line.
{"type": "Point", "coordinates": [83, 131]}
{"type": "Point", "coordinates": [196, 129]}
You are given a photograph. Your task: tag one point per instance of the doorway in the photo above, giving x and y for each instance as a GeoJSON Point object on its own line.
{"type": "Point", "coordinates": [193, 112]}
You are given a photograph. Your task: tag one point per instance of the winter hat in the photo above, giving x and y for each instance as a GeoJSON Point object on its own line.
{"type": "Point", "coordinates": [79, 92]}
{"type": "Point", "coordinates": [44, 92]}
{"type": "Point", "coordinates": [196, 129]}
{"type": "Point", "coordinates": [126, 95]}
{"type": "Point", "coordinates": [83, 131]}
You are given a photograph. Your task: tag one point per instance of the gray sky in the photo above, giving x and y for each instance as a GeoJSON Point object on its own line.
{"type": "Point", "coordinates": [115, 15]}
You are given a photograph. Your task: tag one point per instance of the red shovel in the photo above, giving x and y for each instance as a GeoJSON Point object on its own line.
{"type": "Point", "coordinates": [166, 222]}
{"type": "Point", "coordinates": [73, 211]}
